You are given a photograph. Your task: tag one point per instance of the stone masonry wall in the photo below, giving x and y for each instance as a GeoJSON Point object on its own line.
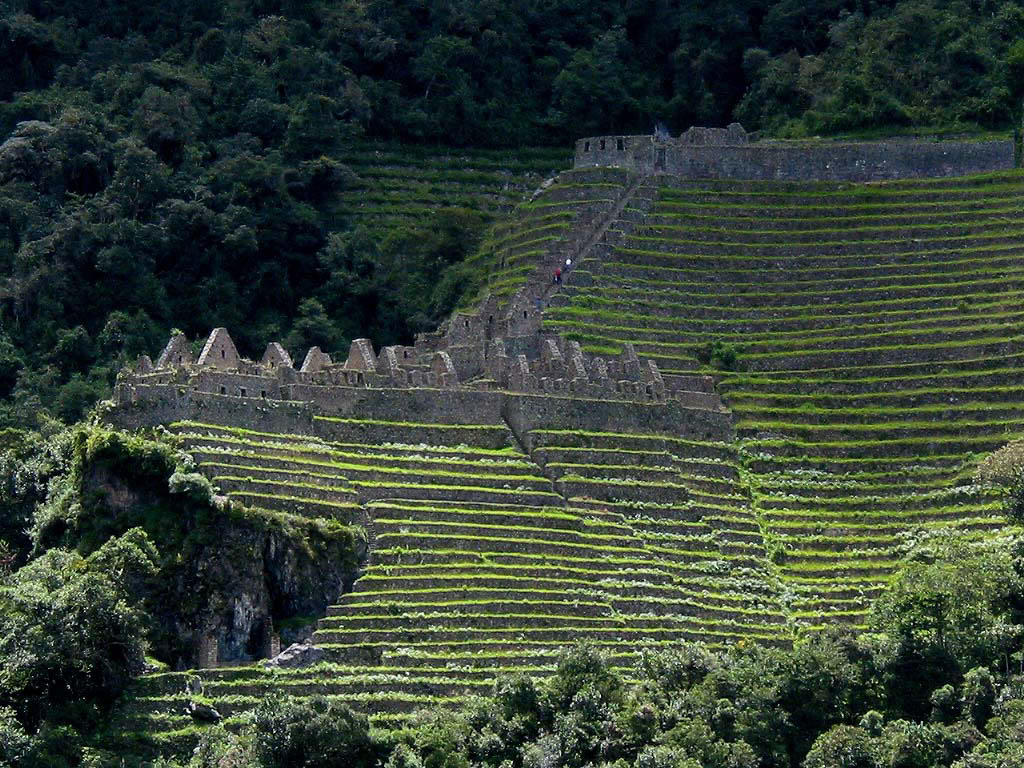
{"type": "Point", "coordinates": [797, 161]}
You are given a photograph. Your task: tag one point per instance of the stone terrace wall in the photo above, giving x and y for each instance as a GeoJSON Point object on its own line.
{"type": "Point", "coordinates": [797, 161]}
{"type": "Point", "coordinates": [166, 404]}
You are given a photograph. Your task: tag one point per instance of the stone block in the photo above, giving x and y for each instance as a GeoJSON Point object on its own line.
{"type": "Point", "coordinates": [387, 361]}
{"type": "Point", "coordinates": [360, 356]}
{"type": "Point", "coordinates": [176, 354]}
{"type": "Point", "coordinates": [275, 356]}
{"type": "Point", "coordinates": [219, 351]}
{"type": "Point", "coordinates": [315, 361]}
{"type": "Point", "coordinates": [442, 365]}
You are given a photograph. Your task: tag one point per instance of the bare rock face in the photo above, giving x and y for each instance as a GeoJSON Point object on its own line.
{"type": "Point", "coordinates": [302, 654]}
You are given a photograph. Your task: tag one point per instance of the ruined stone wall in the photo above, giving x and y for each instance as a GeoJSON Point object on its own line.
{"type": "Point", "coordinates": [526, 412]}
{"type": "Point", "coordinates": [164, 405]}
{"type": "Point", "coordinates": [137, 408]}
{"type": "Point", "coordinates": [797, 161]}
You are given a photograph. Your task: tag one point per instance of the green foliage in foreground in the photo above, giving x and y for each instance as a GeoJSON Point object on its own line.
{"type": "Point", "coordinates": [937, 681]}
{"type": "Point", "coordinates": [127, 554]}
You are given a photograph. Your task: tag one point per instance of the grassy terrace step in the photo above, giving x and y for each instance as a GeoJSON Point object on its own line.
{"type": "Point", "coordinates": [612, 303]}
{"type": "Point", "coordinates": [701, 313]}
{"type": "Point", "coordinates": [361, 476]}
{"type": "Point", "coordinates": [886, 354]}
{"type": "Point", "coordinates": [696, 570]}
{"type": "Point", "coordinates": [508, 516]}
{"type": "Point", "coordinates": [879, 378]}
{"type": "Point", "coordinates": [591, 602]}
{"type": "Point", "coordinates": [840, 487]}
{"type": "Point", "coordinates": [515, 541]}
{"type": "Point", "coordinates": [659, 262]}
{"type": "Point", "coordinates": [978, 427]}
{"type": "Point", "coordinates": [669, 327]}
{"type": "Point", "coordinates": [840, 247]}
{"type": "Point", "coordinates": [665, 213]}
{"type": "Point", "coordinates": [493, 436]}
{"type": "Point", "coordinates": [661, 319]}
{"type": "Point", "coordinates": [825, 516]}
{"type": "Point", "coordinates": [621, 270]}
{"type": "Point", "coordinates": [318, 444]}
{"type": "Point", "coordinates": [661, 228]}
{"type": "Point", "coordinates": [567, 438]}
{"type": "Point", "coordinates": [509, 465]}
{"type": "Point", "coordinates": [915, 397]}
{"type": "Point", "coordinates": [691, 629]}
{"type": "Point", "coordinates": [794, 194]}
{"type": "Point", "coordinates": [310, 491]}
{"type": "Point", "coordinates": [460, 528]}
{"type": "Point", "coordinates": [686, 307]}
{"type": "Point", "coordinates": [631, 578]}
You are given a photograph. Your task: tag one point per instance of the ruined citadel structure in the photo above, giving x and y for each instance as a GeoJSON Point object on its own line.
{"type": "Point", "coordinates": [436, 362]}
{"type": "Point", "coordinates": [500, 366]}
{"type": "Point", "coordinates": [501, 345]}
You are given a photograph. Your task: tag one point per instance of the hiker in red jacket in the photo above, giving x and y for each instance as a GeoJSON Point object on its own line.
{"type": "Point", "coordinates": [558, 276]}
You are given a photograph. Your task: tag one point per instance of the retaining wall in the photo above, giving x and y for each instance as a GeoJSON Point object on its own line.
{"type": "Point", "coordinates": [798, 161]}
{"type": "Point", "coordinates": [152, 406]}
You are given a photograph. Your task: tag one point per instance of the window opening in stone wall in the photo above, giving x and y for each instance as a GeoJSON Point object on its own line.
{"type": "Point", "coordinates": [619, 145]}
{"type": "Point", "coordinates": [466, 322]}
{"type": "Point", "coordinates": [241, 391]}
{"type": "Point", "coordinates": [223, 354]}
{"type": "Point", "coordinates": [602, 143]}
{"type": "Point", "coordinates": [263, 394]}
{"type": "Point", "coordinates": [524, 314]}
{"type": "Point", "coordinates": [179, 359]}
{"type": "Point", "coordinates": [223, 390]}
{"type": "Point", "coordinates": [586, 146]}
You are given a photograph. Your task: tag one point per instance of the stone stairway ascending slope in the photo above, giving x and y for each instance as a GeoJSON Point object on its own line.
{"type": "Point", "coordinates": [880, 329]}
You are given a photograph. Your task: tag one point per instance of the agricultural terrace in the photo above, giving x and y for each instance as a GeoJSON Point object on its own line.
{"type": "Point", "coordinates": [867, 338]}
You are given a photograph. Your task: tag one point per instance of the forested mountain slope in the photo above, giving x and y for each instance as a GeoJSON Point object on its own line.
{"type": "Point", "coordinates": [192, 164]}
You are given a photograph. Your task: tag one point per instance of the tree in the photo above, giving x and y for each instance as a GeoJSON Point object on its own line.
{"type": "Point", "coordinates": [842, 746]}
{"type": "Point", "coordinates": [71, 630]}
{"type": "Point", "coordinates": [1015, 83]}
{"type": "Point", "coordinates": [948, 609]}
{"type": "Point", "coordinates": [310, 733]}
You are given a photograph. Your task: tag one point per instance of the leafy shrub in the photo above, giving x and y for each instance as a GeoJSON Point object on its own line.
{"type": "Point", "coordinates": [722, 355]}
{"type": "Point", "coordinates": [311, 733]}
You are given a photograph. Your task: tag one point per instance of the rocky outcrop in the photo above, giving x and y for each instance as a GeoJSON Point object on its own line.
{"type": "Point", "coordinates": [303, 654]}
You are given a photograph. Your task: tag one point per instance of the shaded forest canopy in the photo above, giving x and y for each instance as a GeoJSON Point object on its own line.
{"type": "Point", "coordinates": [179, 164]}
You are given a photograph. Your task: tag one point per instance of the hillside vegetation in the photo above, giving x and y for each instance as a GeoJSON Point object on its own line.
{"type": "Point", "coordinates": [838, 582]}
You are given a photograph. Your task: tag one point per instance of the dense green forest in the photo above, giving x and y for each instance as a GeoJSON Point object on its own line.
{"type": "Point", "coordinates": [177, 163]}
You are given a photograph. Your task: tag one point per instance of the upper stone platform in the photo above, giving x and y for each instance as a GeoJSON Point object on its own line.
{"type": "Point", "coordinates": [732, 153]}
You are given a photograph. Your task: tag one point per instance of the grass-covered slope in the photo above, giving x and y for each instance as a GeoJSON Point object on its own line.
{"type": "Point", "coordinates": [876, 329]}
{"type": "Point", "coordinates": [402, 186]}
{"type": "Point", "coordinates": [487, 555]}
